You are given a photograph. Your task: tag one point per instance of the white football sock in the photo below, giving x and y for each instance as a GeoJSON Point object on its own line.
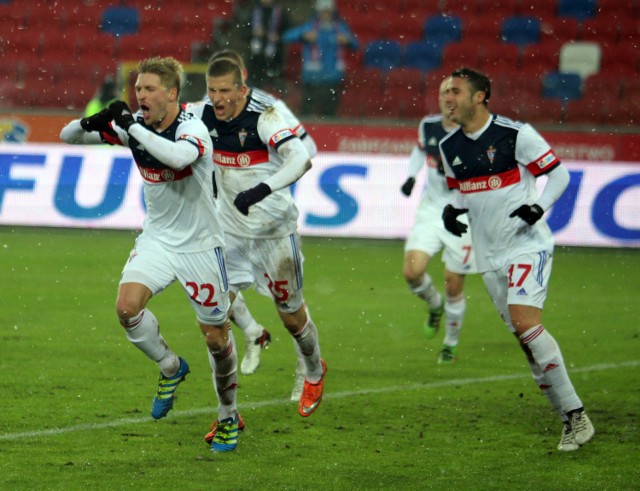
{"type": "Point", "coordinates": [547, 356]}
{"type": "Point", "coordinates": [224, 368]}
{"type": "Point", "coordinates": [427, 292]}
{"type": "Point", "coordinates": [143, 331]}
{"type": "Point", "coordinates": [454, 309]}
{"type": "Point", "coordinates": [307, 340]}
{"type": "Point", "coordinates": [241, 317]}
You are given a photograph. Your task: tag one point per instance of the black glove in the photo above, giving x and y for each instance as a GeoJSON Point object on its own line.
{"type": "Point", "coordinates": [250, 197]}
{"type": "Point", "coordinates": [98, 122]}
{"type": "Point", "coordinates": [121, 114]}
{"type": "Point", "coordinates": [530, 214]}
{"type": "Point", "coordinates": [449, 217]}
{"type": "Point", "coordinates": [407, 187]}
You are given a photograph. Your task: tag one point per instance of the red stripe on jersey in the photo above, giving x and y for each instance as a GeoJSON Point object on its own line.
{"type": "Point", "coordinates": [164, 175]}
{"type": "Point", "coordinates": [280, 136]}
{"type": "Point", "coordinates": [110, 139]}
{"type": "Point", "coordinates": [452, 183]}
{"type": "Point", "coordinates": [489, 183]}
{"type": "Point", "coordinates": [245, 159]}
{"type": "Point", "coordinates": [543, 164]}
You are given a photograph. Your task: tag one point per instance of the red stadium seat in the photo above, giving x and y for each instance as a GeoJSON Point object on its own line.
{"type": "Point", "coordinates": [538, 56]}
{"type": "Point", "coordinates": [628, 30]}
{"type": "Point", "coordinates": [464, 10]}
{"type": "Point", "coordinates": [404, 28]}
{"type": "Point", "coordinates": [497, 54]}
{"type": "Point", "coordinates": [177, 47]}
{"type": "Point", "coordinates": [44, 14]}
{"type": "Point", "coordinates": [499, 8]}
{"type": "Point", "coordinates": [559, 29]}
{"type": "Point", "coordinates": [544, 111]}
{"type": "Point", "coordinates": [401, 78]}
{"type": "Point", "coordinates": [460, 54]}
{"type": "Point", "coordinates": [485, 27]}
{"type": "Point", "coordinates": [603, 82]}
{"type": "Point", "coordinates": [134, 48]}
{"type": "Point", "coordinates": [602, 29]}
{"type": "Point", "coordinates": [543, 9]}
{"type": "Point", "coordinates": [621, 8]}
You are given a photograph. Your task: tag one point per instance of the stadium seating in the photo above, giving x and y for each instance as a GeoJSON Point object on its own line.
{"type": "Point", "coordinates": [120, 20]}
{"type": "Point", "coordinates": [580, 57]}
{"type": "Point", "coordinates": [383, 54]}
{"type": "Point", "coordinates": [562, 86]}
{"type": "Point", "coordinates": [579, 9]}
{"type": "Point", "coordinates": [521, 30]}
{"type": "Point", "coordinates": [48, 42]}
{"type": "Point", "coordinates": [423, 55]}
{"type": "Point", "coordinates": [442, 29]}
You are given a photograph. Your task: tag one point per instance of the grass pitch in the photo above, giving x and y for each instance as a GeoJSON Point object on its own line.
{"type": "Point", "coordinates": [76, 395]}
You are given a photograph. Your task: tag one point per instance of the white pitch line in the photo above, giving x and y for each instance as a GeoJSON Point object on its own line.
{"type": "Point", "coordinates": [276, 402]}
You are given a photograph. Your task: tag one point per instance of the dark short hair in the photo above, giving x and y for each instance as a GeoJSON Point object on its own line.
{"type": "Point", "coordinates": [224, 66]}
{"type": "Point", "coordinates": [479, 82]}
{"type": "Point", "coordinates": [230, 54]}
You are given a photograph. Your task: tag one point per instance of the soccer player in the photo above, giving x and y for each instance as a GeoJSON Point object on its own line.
{"type": "Point", "coordinates": [239, 312]}
{"type": "Point", "coordinates": [258, 156]}
{"type": "Point", "coordinates": [493, 162]}
{"type": "Point", "coordinates": [428, 235]}
{"type": "Point", "coordinates": [182, 236]}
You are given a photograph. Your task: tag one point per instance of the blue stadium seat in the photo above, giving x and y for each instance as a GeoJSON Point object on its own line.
{"type": "Point", "coordinates": [521, 30]}
{"type": "Point", "coordinates": [120, 21]}
{"type": "Point", "coordinates": [563, 86]}
{"type": "Point", "coordinates": [382, 54]}
{"type": "Point", "coordinates": [442, 29]}
{"type": "Point", "coordinates": [579, 9]}
{"type": "Point", "coordinates": [423, 55]}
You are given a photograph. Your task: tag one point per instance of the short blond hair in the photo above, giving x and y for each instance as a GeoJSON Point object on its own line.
{"type": "Point", "coordinates": [168, 69]}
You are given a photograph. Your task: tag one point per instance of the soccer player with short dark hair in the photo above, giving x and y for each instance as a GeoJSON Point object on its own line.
{"type": "Point", "coordinates": [493, 162]}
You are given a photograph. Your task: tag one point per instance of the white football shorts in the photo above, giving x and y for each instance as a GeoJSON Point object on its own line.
{"type": "Point", "coordinates": [202, 276]}
{"type": "Point", "coordinates": [429, 236]}
{"type": "Point", "coordinates": [523, 281]}
{"type": "Point", "coordinates": [272, 266]}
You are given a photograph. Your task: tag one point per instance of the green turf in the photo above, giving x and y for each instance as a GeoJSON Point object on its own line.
{"type": "Point", "coordinates": [76, 395]}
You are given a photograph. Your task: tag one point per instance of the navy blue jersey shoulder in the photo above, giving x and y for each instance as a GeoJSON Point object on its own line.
{"type": "Point", "coordinates": [238, 135]}
{"type": "Point", "coordinates": [433, 132]}
{"type": "Point", "coordinates": [493, 153]}
{"type": "Point", "coordinates": [144, 158]}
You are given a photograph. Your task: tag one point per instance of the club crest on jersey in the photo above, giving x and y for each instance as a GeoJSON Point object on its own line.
{"type": "Point", "coordinates": [242, 135]}
{"type": "Point", "coordinates": [432, 142]}
{"type": "Point", "coordinates": [491, 153]}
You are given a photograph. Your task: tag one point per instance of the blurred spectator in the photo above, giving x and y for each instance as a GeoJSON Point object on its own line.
{"type": "Point", "coordinates": [268, 21]}
{"type": "Point", "coordinates": [105, 95]}
{"type": "Point", "coordinates": [324, 39]}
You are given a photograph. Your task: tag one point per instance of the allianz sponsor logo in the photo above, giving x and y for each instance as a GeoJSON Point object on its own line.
{"type": "Point", "coordinates": [241, 160]}
{"type": "Point", "coordinates": [152, 175]}
{"type": "Point", "coordinates": [493, 182]}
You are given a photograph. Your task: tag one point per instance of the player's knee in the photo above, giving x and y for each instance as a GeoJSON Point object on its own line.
{"type": "Point", "coordinates": [216, 338]}
{"type": "Point", "coordinates": [294, 321]}
{"type": "Point", "coordinates": [127, 310]}
{"type": "Point", "coordinates": [412, 274]}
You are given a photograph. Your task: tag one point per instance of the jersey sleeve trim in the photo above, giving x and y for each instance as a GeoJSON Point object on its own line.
{"type": "Point", "coordinates": [280, 137]}
{"type": "Point", "coordinates": [195, 141]}
{"type": "Point", "coordinates": [544, 164]}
